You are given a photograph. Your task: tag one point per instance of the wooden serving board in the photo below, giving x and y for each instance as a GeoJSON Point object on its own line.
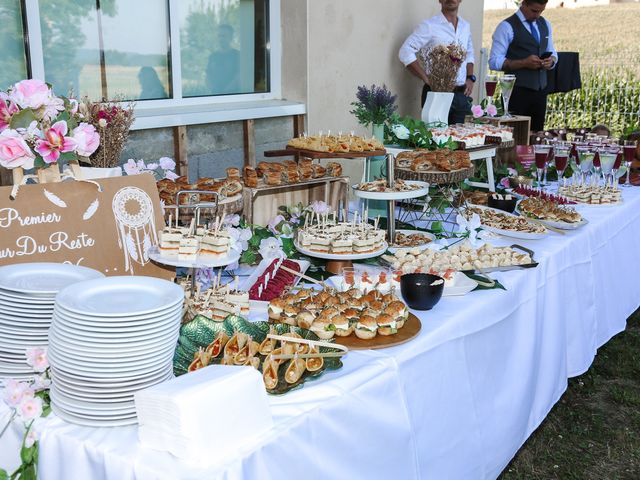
{"type": "Point", "coordinates": [408, 332]}
{"type": "Point", "coordinates": [314, 154]}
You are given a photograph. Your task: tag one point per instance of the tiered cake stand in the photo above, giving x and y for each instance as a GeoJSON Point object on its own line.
{"type": "Point", "coordinates": [173, 261]}
{"type": "Point", "coordinates": [392, 197]}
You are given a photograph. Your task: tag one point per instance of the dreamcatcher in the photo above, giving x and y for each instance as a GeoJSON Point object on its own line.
{"type": "Point", "coordinates": [136, 224]}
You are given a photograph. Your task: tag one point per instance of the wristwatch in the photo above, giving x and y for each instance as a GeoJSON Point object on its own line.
{"type": "Point", "coordinates": [472, 78]}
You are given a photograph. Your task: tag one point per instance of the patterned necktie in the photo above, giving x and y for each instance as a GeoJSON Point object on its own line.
{"type": "Point", "coordinates": [534, 30]}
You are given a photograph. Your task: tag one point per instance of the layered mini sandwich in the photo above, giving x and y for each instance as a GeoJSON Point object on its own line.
{"type": "Point", "coordinates": [170, 241]}
{"type": "Point", "coordinates": [188, 249]}
{"type": "Point", "coordinates": [215, 244]}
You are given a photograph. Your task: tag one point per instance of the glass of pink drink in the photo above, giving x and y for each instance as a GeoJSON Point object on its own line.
{"type": "Point", "coordinates": [629, 152]}
{"type": "Point", "coordinates": [490, 84]}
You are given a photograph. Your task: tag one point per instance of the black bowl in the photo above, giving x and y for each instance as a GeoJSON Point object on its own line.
{"type": "Point", "coordinates": [504, 205]}
{"type": "Point", "coordinates": [419, 292]}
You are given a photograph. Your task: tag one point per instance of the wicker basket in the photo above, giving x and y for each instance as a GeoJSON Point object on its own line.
{"type": "Point", "coordinates": [435, 178]}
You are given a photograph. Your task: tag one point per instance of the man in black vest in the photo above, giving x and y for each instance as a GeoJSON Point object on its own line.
{"type": "Point", "coordinates": [523, 45]}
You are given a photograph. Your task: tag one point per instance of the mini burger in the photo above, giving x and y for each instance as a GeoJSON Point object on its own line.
{"type": "Point", "coordinates": [354, 293]}
{"type": "Point", "coordinates": [289, 315]}
{"type": "Point", "coordinates": [387, 325]}
{"type": "Point", "coordinates": [323, 328]}
{"type": "Point", "coordinates": [343, 329]}
{"type": "Point", "coordinates": [276, 307]}
{"type": "Point", "coordinates": [376, 306]}
{"type": "Point", "coordinates": [367, 327]}
{"type": "Point", "coordinates": [305, 319]}
{"type": "Point", "coordinates": [352, 314]}
{"type": "Point", "coordinates": [399, 311]}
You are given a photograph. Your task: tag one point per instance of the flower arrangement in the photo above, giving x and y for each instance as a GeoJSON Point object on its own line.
{"type": "Point", "coordinates": [408, 132]}
{"type": "Point", "coordinates": [441, 63]}
{"type": "Point", "coordinates": [163, 168]}
{"type": "Point", "coordinates": [39, 129]}
{"type": "Point", "coordinates": [374, 105]}
{"type": "Point", "coordinates": [28, 402]}
{"type": "Point", "coordinates": [113, 121]}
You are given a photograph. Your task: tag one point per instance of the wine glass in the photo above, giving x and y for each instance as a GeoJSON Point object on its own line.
{"type": "Point", "coordinates": [585, 159]}
{"type": "Point", "coordinates": [561, 155]}
{"type": "Point", "coordinates": [490, 84]}
{"type": "Point", "coordinates": [507, 83]}
{"type": "Point", "coordinates": [607, 160]}
{"type": "Point", "coordinates": [541, 155]}
{"type": "Point", "coordinates": [597, 166]}
{"type": "Point", "coordinates": [616, 167]}
{"type": "Point", "coordinates": [629, 149]}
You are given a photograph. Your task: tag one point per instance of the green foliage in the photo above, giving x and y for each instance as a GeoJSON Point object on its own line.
{"type": "Point", "coordinates": [419, 134]}
{"type": "Point", "coordinates": [23, 118]}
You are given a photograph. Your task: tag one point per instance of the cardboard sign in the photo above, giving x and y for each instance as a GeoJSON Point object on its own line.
{"type": "Point", "coordinates": [73, 222]}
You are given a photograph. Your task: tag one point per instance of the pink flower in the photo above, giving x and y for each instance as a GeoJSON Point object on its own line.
{"type": "Point", "coordinates": [15, 392]}
{"type": "Point", "coordinates": [167, 163]}
{"type": "Point", "coordinates": [7, 109]}
{"type": "Point", "coordinates": [30, 408]}
{"type": "Point", "coordinates": [37, 358]}
{"type": "Point", "coordinates": [131, 167]}
{"type": "Point", "coordinates": [505, 182]}
{"type": "Point", "coordinates": [52, 107]}
{"type": "Point", "coordinates": [55, 142]}
{"type": "Point", "coordinates": [30, 93]}
{"type": "Point", "coordinates": [492, 111]}
{"type": "Point", "coordinates": [273, 224]}
{"type": "Point", "coordinates": [14, 151]}
{"type": "Point", "coordinates": [87, 139]}
{"type": "Point", "coordinates": [320, 207]}
{"type": "Point", "coordinates": [477, 111]}
{"type": "Point", "coordinates": [171, 175]}
{"type": "Point", "coordinates": [41, 382]}
{"type": "Point", "coordinates": [31, 438]}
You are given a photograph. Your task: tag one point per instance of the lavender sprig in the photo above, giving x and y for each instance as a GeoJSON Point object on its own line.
{"type": "Point", "coordinates": [375, 105]}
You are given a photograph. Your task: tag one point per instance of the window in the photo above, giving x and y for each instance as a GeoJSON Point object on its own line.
{"type": "Point", "coordinates": [107, 48]}
{"type": "Point", "coordinates": [13, 59]}
{"type": "Point", "coordinates": [224, 47]}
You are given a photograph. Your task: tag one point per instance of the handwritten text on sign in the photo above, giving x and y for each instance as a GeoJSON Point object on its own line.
{"type": "Point", "coordinates": [111, 229]}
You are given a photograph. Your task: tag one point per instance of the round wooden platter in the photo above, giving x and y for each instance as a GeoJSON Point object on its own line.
{"type": "Point", "coordinates": [408, 332]}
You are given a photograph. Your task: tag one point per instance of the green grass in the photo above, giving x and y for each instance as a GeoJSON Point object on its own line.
{"type": "Point", "coordinates": [593, 432]}
{"type": "Point", "coordinates": [606, 38]}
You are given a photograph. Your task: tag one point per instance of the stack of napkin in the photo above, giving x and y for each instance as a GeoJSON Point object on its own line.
{"type": "Point", "coordinates": [205, 415]}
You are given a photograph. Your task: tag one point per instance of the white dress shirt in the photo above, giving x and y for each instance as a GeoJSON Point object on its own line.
{"type": "Point", "coordinates": [438, 30]}
{"type": "Point", "coordinates": [503, 36]}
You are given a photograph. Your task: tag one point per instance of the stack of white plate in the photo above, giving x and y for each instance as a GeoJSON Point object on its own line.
{"type": "Point", "coordinates": [27, 294]}
{"type": "Point", "coordinates": [110, 338]}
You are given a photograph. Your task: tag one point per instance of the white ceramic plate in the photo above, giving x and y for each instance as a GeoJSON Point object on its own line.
{"type": "Point", "coordinates": [110, 323]}
{"type": "Point", "coordinates": [110, 383]}
{"type": "Point", "coordinates": [22, 332]}
{"type": "Point", "coordinates": [20, 313]}
{"type": "Point", "coordinates": [43, 278]}
{"type": "Point", "coordinates": [59, 341]}
{"type": "Point", "coordinates": [424, 246]}
{"type": "Point", "coordinates": [420, 192]}
{"type": "Point", "coordinates": [172, 260]}
{"type": "Point", "coordinates": [511, 233]}
{"type": "Point", "coordinates": [61, 397]}
{"type": "Point", "coordinates": [87, 365]}
{"type": "Point", "coordinates": [104, 390]}
{"type": "Point", "coordinates": [28, 306]}
{"type": "Point", "coordinates": [119, 350]}
{"type": "Point", "coordinates": [560, 225]}
{"type": "Point", "coordinates": [8, 296]}
{"type": "Point", "coordinates": [120, 296]}
{"type": "Point", "coordinates": [169, 323]}
{"type": "Point", "coordinates": [92, 422]}
{"type": "Point", "coordinates": [334, 256]}
{"type": "Point", "coordinates": [110, 377]}
{"type": "Point", "coordinates": [26, 321]}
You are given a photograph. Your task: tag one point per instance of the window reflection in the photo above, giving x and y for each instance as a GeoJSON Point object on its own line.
{"type": "Point", "coordinates": [224, 47]}
{"type": "Point", "coordinates": [13, 61]}
{"type": "Point", "coordinates": [107, 48]}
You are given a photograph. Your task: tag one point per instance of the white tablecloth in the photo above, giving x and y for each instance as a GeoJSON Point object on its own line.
{"type": "Point", "coordinates": [457, 402]}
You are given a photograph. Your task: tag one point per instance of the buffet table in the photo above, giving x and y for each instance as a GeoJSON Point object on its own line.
{"type": "Point", "coordinates": [457, 402]}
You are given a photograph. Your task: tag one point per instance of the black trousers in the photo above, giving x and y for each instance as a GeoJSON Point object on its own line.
{"type": "Point", "coordinates": [460, 106]}
{"type": "Point", "coordinates": [531, 103]}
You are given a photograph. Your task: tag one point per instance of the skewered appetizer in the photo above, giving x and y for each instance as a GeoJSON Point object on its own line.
{"type": "Point", "coordinates": [503, 221]}
{"type": "Point", "coordinates": [336, 143]}
{"type": "Point", "coordinates": [591, 194]}
{"type": "Point", "coordinates": [533, 192]}
{"type": "Point", "coordinates": [548, 210]}
{"type": "Point", "coordinates": [382, 186]}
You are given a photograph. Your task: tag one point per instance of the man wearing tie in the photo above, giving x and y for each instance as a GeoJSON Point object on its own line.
{"type": "Point", "coordinates": [523, 45]}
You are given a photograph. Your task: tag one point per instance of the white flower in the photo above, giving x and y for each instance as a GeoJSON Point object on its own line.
{"type": "Point", "coordinates": [271, 248]}
{"type": "Point", "coordinates": [320, 207]}
{"type": "Point", "coordinates": [102, 122]}
{"type": "Point", "coordinates": [52, 107]}
{"type": "Point", "coordinates": [41, 382]}
{"type": "Point", "coordinates": [240, 238]}
{"type": "Point", "coordinates": [131, 167]}
{"type": "Point", "coordinates": [400, 131]}
{"type": "Point", "coordinates": [472, 225]}
{"type": "Point", "coordinates": [167, 163]}
{"type": "Point", "coordinates": [31, 438]}
{"type": "Point", "coordinates": [37, 358]}
{"type": "Point", "coordinates": [152, 166]}
{"type": "Point", "coordinates": [15, 392]}
{"type": "Point", "coordinates": [233, 220]}
{"type": "Point", "coordinates": [30, 408]}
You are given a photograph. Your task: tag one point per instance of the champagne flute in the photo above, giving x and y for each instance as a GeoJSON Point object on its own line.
{"type": "Point", "coordinates": [629, 149]}
{"type": "Point", "coordinates": [597, 166]}
{"type": "Point", "coordinates": [507, 83]}
{"type": "Point", "coordinates": [541, 155]}
{"type": "Point", "coordinates": [561, 156]}
{"type": "Point", "coordinates": [585, 158]}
